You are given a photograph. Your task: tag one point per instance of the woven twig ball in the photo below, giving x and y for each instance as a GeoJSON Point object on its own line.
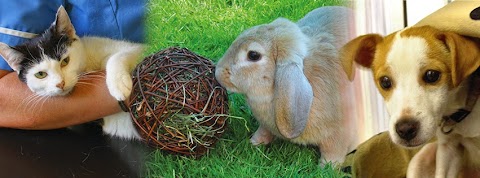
{"type": "Point", "coordinates": [176, 103]}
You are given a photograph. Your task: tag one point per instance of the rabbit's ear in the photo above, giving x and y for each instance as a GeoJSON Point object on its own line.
{"type": "Point", "coordinates": [292, 98]}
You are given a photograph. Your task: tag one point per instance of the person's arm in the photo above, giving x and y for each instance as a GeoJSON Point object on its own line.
{"type": "Point", "coordinates": [3, 73]}
{"type": "Point", "coordinates": [87, 102]}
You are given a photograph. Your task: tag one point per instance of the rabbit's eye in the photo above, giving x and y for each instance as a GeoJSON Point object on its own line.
{"type": "Point", "coordinates": [254, 56]}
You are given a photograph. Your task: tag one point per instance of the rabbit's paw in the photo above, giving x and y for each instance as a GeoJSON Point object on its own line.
{"type": "Point", "coordinates": [261, 136]}
{"type": "Point", "coordinates": [332, 153]}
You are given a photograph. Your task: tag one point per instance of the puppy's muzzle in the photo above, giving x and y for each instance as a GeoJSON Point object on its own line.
{"type": "Point", "coordinates": [407, 129]}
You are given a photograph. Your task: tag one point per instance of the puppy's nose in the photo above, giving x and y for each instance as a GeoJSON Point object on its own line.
{"type": "Point", "coordinates": [407, 128]}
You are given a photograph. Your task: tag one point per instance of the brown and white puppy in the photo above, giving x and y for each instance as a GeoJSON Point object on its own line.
{"type": "Point", "coordinates": [423, 74]}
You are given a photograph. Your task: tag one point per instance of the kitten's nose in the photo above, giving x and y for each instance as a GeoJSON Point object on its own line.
{"type": "Point", "coordinates": [61, 85]}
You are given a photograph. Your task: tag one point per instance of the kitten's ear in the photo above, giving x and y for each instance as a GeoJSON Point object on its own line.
{"type": "Point", "coordinates": [12, 56]}
{"type": "Point", "coordinates": [63, 24]}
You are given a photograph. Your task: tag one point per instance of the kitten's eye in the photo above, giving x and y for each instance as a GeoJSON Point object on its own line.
{"type": "Point", "coordinates": [65, 62]}
{"type": "Point", "coordinates": [254, 56]}
{"type": "Point", "coordinates": [431, 76]}
{"type": "Point", "coordinates": [385, 82]}
{"type": "Point", "coordinates": [41, 75]}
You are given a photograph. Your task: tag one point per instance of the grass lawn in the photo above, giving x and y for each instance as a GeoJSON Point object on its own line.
{"type": "Point", "coordinates": [208, 27]}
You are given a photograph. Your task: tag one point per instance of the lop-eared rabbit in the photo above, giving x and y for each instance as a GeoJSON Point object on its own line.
{"type": "Point", "coordinates": [292, 78]}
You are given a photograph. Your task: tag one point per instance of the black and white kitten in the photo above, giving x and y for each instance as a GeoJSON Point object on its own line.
{"type": "Point", "coordinates": [51, 64]}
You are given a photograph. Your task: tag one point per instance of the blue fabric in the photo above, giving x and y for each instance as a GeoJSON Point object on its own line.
{"type": "Point", "coordinates": [118, 19]}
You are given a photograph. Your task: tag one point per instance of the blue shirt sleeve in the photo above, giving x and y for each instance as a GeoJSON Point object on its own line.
{"type": "Point", "coordinates": [117, 19]}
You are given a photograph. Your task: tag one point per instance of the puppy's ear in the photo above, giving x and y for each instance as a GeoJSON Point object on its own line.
{"type": "Point", "coordinates": [361, 50]}
{"type": "Point", "coordinates": [464, 53]}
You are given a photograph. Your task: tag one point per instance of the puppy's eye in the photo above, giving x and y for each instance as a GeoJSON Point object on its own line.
{"type": "Point", "coordinates": [65, 62]}
{"type": "Point", "coordinates": [41, 75]}
{"type": "Point", "coordinates": [431, 76]}
{"type": "Point", "coordinates": [385, 82]}
{"type": "Point", "coordinates": [254, 56]}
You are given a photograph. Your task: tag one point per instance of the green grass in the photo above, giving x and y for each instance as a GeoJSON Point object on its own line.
{"type": "Point", "coordinates": [208, 27]}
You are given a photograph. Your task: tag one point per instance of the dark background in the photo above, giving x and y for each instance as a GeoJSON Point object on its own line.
{"type": "Point", "coordinates": [80, 151]}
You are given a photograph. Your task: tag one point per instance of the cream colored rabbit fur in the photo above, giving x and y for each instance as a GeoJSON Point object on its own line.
{"type": "Point", "coordinates": [293, 81]}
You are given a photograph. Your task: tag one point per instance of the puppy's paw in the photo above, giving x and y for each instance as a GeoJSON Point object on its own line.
{"type": "Point", "coordinates": [261, 137]}
{"type": "Point", "coordinates": [119, 85]}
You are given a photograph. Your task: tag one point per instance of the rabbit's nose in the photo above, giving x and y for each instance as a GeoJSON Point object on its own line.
{"type": "Point", "coordinates": [407, 129]}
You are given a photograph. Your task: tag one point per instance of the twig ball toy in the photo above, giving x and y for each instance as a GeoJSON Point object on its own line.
{"type": "Point", "coordinates": [176, 103]}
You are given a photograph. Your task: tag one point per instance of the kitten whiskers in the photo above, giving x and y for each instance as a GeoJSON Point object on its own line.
{"type": "Point", "coordinates": [30, 102]}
